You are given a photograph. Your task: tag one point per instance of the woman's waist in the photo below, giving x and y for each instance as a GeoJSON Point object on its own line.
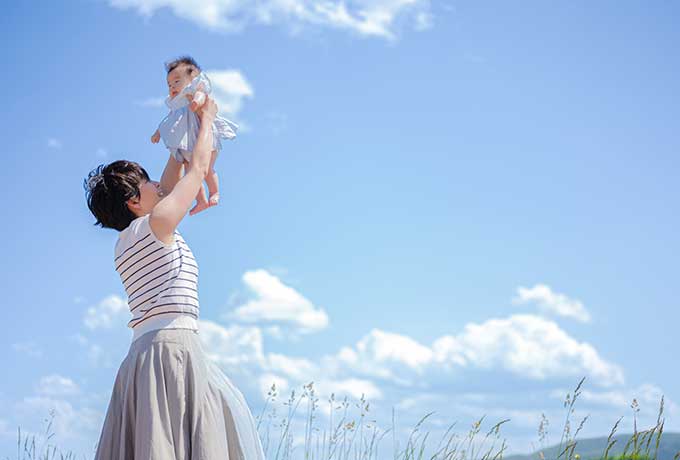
{"type": "Point", "coordinates": [166, 320]}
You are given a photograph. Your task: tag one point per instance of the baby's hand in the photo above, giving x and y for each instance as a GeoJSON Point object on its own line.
{"type": "Point", "coordinates": [156, 137]}
{"type": "Point", "coordinates": [197, 101]}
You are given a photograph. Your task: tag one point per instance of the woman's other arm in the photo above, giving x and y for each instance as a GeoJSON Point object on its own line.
{"type": "Point", "coordinates": [168, 213]}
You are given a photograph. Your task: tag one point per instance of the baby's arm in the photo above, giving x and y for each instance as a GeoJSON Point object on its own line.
{"type": "Point", "coordinates": [171, 175]}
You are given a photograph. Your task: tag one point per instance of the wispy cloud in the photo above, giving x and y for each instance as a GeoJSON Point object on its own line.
{"type": "Point", "coordinates": [368, 18]}
{"type": "Point", "coordinates": [95, 353]}
{"type": "Point", "coordinates": [29, 348]}
{"type": "Point", "coordinates": [57, 385]}
{"type": "Point", "coordinates": [553, 302]}
{"type": "Point", "coordinates": [648, 396]}
{"type": "Point", "coordinates": [277, 122]}
{"type": "Point", "coordinates": [54, 143]}
{"type": "Point", "coordinates": [151, 102]}
{"type": "Point", "coordinates": [70, 421]}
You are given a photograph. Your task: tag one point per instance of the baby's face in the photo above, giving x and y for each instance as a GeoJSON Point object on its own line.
{"type": "Point", "coordinates": [178, 78]}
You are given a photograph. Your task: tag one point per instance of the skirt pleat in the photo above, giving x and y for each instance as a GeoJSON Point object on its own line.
{"type": "Point", "coordinates": [169, 401]}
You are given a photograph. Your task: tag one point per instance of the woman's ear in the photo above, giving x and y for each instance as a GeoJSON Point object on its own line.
{"type": "Point", "coordinates": [133, 205]}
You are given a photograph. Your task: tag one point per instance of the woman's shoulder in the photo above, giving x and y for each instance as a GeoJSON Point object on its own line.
{"type": "Point", "coordinates": [140, 235]}
{"type": "Point", "coordinates": [132, 234]}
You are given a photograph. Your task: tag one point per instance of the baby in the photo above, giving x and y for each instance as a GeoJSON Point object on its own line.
{"type": "Point", "coordinates": [188, 87]}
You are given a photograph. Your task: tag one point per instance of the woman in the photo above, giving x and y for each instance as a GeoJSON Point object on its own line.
{"type": "Point", "coordinates": [168, 401]}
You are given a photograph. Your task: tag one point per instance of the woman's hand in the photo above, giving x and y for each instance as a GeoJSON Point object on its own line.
{"type": "Point", "coordinates": [197, 101]}
{"type": "Point", "coordinates": [207, 110]}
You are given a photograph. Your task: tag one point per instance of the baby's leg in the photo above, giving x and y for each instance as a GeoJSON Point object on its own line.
{"type": "Point", "coordinates": [213, 181]}
{"type": "Point", "coordinates": [201, 202]}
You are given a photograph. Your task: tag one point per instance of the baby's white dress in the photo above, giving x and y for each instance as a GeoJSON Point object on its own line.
{"type": "Point", "coordinates": [179, 129]}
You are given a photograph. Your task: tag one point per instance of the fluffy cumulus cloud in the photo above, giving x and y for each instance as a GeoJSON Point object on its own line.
{"type": "Point", "coordinates": [232, 346]}
{"type": "Point", "coordinates": [456, 370]}
{"type": "Point", "coordinates": [528, 346]}
{"type": "Point", "coordinates": [384, 355]}
{"type": "Point", "coordinates": [552, 302]}
{"type": "Point", "coordinates": [370, 18]}
{"type": "Point", "coordinates": [275, 302]}
{"type": "Point", "coordinates": [108, 313]}
{"type": "Point", "coordinates": [239, 351]}
{"type": "Point", "coordinates": [229, 88]}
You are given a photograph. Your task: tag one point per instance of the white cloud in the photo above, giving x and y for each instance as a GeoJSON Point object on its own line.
{"type": "Point", "coordinates": [352, 387]}
{"type": "Point", "coordinates": [234, 346]}
{"type": "Point", "coordinates": [29, 348]}
{"type": "Point", "coordinates": [266, 380]}
{"type": "Point", "coordinates": [534, 347]}
{"type": "Point", "coordinates": [647, 395]}
{"type": "Point", "coordinates": [277, 122]}
{"type": "Point", "coordinates": [95, 352]}
{"type": "Point", "coordinates": [371, 18]}
{"type": "Point", "coordinates": [552, 302]}
{"type": "Point", "coordinates": [229, 88]}
{"type": "Point", "coordinates": [276, 302]}
{"type": "Point", "coordinates": [299, 369]}
{"type": "Point", "coordinates": [57, 385]}
{"type": "Point", "coordinates": [54, 143]}
{"type": "Point", "coordinates": [528, 346]}
{"type": "Point", "coordinates": [69, 421]}
{"type": "Point", "coordinates": [110, 312]}
{"type": "Point", "coordinates": [417, 401]}
{"type": "Point", "coordinates": [423, 21]}
{"type": "Point", "coordinates": [151, 102]}
{"type": "Point", "coordinates": [239, 351]}
{"type": "Point", "coordinates": [385, 355]}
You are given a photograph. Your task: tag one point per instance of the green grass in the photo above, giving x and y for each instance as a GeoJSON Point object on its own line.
{"type": "Point", "coordinates": [358, 436]}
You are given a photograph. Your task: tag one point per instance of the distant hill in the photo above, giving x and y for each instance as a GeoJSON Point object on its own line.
{"type": "Point", "coordinates": [593, 448]}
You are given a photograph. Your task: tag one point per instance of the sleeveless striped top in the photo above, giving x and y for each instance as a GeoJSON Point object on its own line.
{"type": "Point", "coordinates": [161, 280]}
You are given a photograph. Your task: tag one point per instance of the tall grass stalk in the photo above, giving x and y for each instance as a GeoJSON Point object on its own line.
{"type": "Point", "coordinates": [352, 435]}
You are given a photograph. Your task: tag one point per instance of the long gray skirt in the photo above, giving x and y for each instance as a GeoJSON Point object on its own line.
{"type": "Point", "coordinates": [169, 401]}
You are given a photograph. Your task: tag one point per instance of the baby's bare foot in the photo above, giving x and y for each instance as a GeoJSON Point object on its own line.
{"type": "Point", "coordinates": [199, 207]}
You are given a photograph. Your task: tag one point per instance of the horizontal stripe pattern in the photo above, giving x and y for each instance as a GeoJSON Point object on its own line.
{"type": "Point", "coordinates": [159, 279]}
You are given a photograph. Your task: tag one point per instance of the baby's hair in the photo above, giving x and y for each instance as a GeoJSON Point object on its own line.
{"type": "Point", "coordinates": [182, 60]}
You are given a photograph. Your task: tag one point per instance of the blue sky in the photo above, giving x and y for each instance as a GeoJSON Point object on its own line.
{"type": "Point", "coordinates": [452, 206]}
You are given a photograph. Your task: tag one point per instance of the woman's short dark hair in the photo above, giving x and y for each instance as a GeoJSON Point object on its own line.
{"type": "Point", "coordinates": [109, 187]}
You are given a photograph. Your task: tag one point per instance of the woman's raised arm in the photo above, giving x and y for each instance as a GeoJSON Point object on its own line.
{"type": "Point", "coordinates": [168, 213]}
